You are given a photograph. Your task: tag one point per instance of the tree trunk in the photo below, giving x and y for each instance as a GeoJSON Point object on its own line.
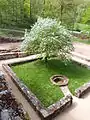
{"type": "Point", "coordinates": [46, 59]}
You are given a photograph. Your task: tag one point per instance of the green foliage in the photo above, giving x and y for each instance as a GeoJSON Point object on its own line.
{"type": "Point", "coordinates": [86, 16]}
{"type": "Point", "coordinates": [15, 13]}
{"type": "Point", "coordinates": [82, 27]}
{"type": "Point", "coordinates": [36, 7]}
{"type": "Point", "coordinates": [62, 10]}
{"type": "Point", "coordinates": [80, 10]}
{"type": "Point", "coordinates": [27, 7]}
{"type": "Point", "coordinates": [49, 37]}
{"type": "Point", "coordinates": [23, 13]}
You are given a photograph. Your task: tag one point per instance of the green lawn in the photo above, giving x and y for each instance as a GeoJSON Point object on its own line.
{"type": "Point", "coordinates": [36, 75]}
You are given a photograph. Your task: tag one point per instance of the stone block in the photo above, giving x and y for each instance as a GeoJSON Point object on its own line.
{"type": "Point", "coordinates": [2, 75]}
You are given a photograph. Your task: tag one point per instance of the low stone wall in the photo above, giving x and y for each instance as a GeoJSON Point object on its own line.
{"type": "Point", "coordinates": [79, 92]}
{"type": "Point", "coordinates": [8, 39]}
{"type": "Point", "coordinates": [82, 90]}
{"type": "Point", "coordinates": [80, 35]}
{"type": "Point", "coordinates": [4, 56]}
{"type": "Point", "coordinates": [45, 113]}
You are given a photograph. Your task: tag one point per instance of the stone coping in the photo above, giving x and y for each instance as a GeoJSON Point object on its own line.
{"type": "Point", "coordinates": [45, 113]}
{"type": "Point", "coordinates": [81, 62]}
{"type": "Point", "coordinates": [5, 56]}
{"type": "Point", "coordinates": [83, 57]}
{"type": "Point", "coordinates": [82, 90]}
{"type": "Point", "coordinates": [10, 39]}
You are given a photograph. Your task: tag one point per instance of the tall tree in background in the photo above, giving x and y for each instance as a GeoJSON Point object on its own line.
{"type": "Point", "coordinates": [86, 15]}
{"type": "Point", "coordinates": [14, 13]}
{"type": "Point", "coordinates": [62, 10]}
{"type": "Point", "coordinates": [23, 13]}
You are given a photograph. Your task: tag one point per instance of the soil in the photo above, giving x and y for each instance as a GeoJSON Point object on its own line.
{"type": "Point", "coordinates": [9, 46]}
{"type": "Point", "coordinates": [81, 48]}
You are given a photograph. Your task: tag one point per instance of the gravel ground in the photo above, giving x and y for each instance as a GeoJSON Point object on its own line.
{"type": "Point", "coordinates": [82, 48]}
{"type": "Point", "coordinates": [9, 46]}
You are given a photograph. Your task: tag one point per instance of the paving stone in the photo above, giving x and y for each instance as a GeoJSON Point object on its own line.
{"type": "Point", "coordinates": [2, 75]}
{"type": "Point", "coordinates": [5, 115]}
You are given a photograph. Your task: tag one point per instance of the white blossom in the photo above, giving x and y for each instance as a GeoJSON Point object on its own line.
{"type": "Point", "coordinates": [48, 36]}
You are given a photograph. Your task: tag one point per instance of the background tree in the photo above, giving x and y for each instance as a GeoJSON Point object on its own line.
{"type": "Point", "coordinates": [80, 11]}
{"type": "Point", "coordinates": [15, 13]}
{"type": "Point", "coordinates": [62, 10]}
{"type": "Point", "coordinates": [86, 15]}
{"type": "Point", "coordinates": [23, 13]}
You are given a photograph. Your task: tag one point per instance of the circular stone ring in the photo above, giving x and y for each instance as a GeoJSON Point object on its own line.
{"type": "Point", "coordinates": [59, 80]}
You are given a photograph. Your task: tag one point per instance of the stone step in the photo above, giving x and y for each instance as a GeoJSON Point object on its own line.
{"type": "Point", "coordinates": [11, 55]}
{"type": "Point", "coordinates": [83, 57]}
{"type": "Point", "coordinates": [81, 61]}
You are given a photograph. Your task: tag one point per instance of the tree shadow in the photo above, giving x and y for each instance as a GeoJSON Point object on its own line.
{"type": "Point", "coordinates": [71, 69]}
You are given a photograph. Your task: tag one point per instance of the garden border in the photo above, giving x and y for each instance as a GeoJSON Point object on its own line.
{"type": "Point", "coordinates": [85, 88]}
{"type": "Point", "coordinates": [10, 39]}
{"type": "Point", "coordinates": [81, 91]}
{"type": "Point", "coordinates": [45, 113]}
{"type": "Point", "coordinates": [11, 55]}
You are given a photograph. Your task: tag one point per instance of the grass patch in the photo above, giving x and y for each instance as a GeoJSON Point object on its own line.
{"type": "Point", "coordinates": [36, 75]}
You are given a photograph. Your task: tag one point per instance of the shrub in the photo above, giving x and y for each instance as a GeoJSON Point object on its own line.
{"type": "Point", "coordinates": [49, 38]}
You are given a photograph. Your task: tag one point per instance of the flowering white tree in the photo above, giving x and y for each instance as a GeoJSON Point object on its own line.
{"type": "Point", "coordinates": [49, 38]}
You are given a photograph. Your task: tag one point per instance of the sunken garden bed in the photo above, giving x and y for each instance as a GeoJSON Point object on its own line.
{"type": "Point", "coordinates": [34, 82]}
{"type": "Point", "coordinates": [47, 99]}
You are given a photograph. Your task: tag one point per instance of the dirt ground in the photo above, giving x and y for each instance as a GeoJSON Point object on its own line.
{"type": "Point", "coordinates": [7, 46]}
{"type": "Point", "coordinates": [81, 48]}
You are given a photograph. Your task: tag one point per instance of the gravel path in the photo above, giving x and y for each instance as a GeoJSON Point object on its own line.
{"type": "Point", "coordinates": [83, 49]}
{"type": "Point", "coordinates": [10, 45]}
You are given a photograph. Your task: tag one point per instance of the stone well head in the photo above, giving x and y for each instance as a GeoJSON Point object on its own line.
{"type": "Point", "coordinates": [59, 80]}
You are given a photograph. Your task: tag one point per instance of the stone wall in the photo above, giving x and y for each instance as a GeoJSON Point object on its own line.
{"type": "Point", "coordinates": [8, 39]}
{"type": "Point", "coordinates": [80, 35]}
{"type": "Point", "coordinates": [82, 90]}
{"type": "Point", "coordinates": [45, 113]}
{"type": "Point", "coordinates": [11, 55]}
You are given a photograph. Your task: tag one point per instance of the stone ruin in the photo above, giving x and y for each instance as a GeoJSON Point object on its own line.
{"type": "Point", "coordinates": [10, 109]}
